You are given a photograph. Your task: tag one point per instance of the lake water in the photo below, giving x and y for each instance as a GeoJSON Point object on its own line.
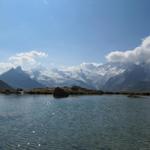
{"type": "Point", "coordinates": [34, 122]}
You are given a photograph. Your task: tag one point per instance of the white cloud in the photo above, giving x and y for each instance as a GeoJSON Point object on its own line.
{"type": "Point", "coordinates": [82, 66]}
{"type": "Point", "coordinates": [27, 57]}
{"type": "Point", "coordinates": [26, 60]}
{"type": "Point", "coordinates": [5, 66]}
{"type": "Point", "coordinates": [138, 55]}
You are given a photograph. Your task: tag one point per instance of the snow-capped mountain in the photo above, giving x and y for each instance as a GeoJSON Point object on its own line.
{"type": "Point", "coordinates": [108, 77]}
{"type": "Point", "coordinates": [89, 75]}
{"type": "Point", "coordinates": [134, 78]}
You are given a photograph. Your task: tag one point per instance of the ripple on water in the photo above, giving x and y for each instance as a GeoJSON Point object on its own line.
{"type": "Point", "coordinates": [78, 123]}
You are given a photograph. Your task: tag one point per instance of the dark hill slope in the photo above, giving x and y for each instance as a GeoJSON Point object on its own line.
{"type": "Point", "coordinates": [17, 78]}
{"type": "Point", "coordinates": [4, 85]}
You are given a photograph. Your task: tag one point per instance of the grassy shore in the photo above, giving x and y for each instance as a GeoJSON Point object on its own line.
{"type": "Point", "coordinates": [75, 90]}
{"type": "Point", "coordinates": [83, 91]}
{"type": "Point", "coordinates": [69, 90]}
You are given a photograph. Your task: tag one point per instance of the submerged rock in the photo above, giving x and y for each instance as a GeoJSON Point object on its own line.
{"type": "Point", "coordinates": [60, 93]}
{"type": "Point", "coordinates": [133, 96]}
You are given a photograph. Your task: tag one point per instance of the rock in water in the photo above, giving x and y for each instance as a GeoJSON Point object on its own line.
{"type": "Point", "coordinates": [60, 93]}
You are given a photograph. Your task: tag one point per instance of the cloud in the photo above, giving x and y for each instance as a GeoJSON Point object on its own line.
{"type": "Point", "coordinates": [82, 66]}
{"type": "Point", "coordinates": [26, 60]}
{"type": "Point", "coordinates": [5, 66]}
{"type": "Point", "coordinates": [138, 55]}
{"type": "Point", "coordinates": [27, 57]}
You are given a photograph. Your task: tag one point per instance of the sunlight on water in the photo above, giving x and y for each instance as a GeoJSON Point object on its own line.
{"type": "Point", "coordinates": [74, 123]}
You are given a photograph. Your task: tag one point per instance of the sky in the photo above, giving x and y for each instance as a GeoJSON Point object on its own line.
{"type": "Point", "coordinates": [70, 32]}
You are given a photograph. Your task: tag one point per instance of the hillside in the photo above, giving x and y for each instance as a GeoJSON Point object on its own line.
{"type": "Point", "coordinates": [4, 85]}
{"type": "Point", "coordinates": [18, 78]}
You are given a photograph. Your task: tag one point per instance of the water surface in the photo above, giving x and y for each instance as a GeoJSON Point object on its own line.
{"type": "Point", "coordinates": [34, 122]}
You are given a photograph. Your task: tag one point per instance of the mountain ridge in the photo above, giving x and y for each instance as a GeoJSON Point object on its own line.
{"type": "Point", "coordinates": [135, 78]}
{"type": "Point", "coordinates": [17, 78]}
{"type": "Point", "coordinates": [4, 85]}
{"type": "Point", "coordinates": [107, 77]}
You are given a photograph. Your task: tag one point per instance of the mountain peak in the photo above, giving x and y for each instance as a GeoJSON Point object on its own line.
{"type": "Point", "coordinates": [18, 78]}
{"type": "Point", "coordinates": [18, 68]}
{"type": "Point", "coordinates": [15, 69]}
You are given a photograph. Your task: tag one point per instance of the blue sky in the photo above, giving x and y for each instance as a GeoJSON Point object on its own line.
{"type": "Point", "coordinates": [72, 31]}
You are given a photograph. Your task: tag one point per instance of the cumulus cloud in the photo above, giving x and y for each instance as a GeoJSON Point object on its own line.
{"type": "Point", "coordinates": [27, 57]}
{"type": "Point", "coordinates": [26, 60]}
{"type": "Point", "coordinates": [82, 66]}
{"type": "Point", "coordinates": [138, 55]}
{"type": "Point", "coordinates": [5, 66]}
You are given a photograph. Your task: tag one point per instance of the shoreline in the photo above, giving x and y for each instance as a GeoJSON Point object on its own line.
{"type": "Point", "coordinates": [50, 91]}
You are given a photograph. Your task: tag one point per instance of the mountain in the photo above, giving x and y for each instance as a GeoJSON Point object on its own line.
{"type": "Point", "coordinates": [88, 75]}
{"type": "Point", "coordinates": [135, 78]}
{"type": "Point", "coordinates": [4, 85]}
{"type": "Point", "coordinates": [107, 77]}
{"type": "Point", "coordinates": [18, 78]}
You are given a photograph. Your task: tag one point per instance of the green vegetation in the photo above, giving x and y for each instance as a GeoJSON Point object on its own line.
{"type": "Point", "coordinates": [74, 90]}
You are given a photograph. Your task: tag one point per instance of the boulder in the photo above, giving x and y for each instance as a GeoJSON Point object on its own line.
{"type": "Point", "coordinates": [60, 93]}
